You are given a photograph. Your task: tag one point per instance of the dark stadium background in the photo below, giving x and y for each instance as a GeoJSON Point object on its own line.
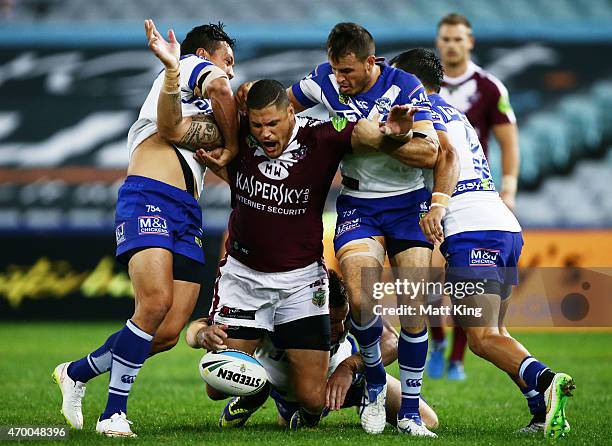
{"type": "Point", "coordinates": [73, 75]}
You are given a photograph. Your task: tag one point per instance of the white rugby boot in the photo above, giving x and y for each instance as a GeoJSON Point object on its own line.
{"type": "Point", "coordinates": [414, 427]}
{"type": "Point", "coordinates": [372, 410]}
{"type": "Point", "coordinates": [72, 394]}
{"type": "Point", "coordinates": [116, 426]}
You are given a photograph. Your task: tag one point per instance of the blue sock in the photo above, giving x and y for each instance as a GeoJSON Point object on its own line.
{"type": "Point", "coordinates": [535, 401]}
{"type": "Point", "coordinates": [412, 353]}
{"type": "Point", "coordinates": [131, 348]}
{"type": "Point", "coordinates": [95, 363]}
{"type": "Point", "coordinates": [530, 370]}
{"type": "Point", "coordinates": [368, 338]}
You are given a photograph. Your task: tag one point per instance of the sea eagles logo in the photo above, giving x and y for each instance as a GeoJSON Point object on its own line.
{"type": "Point", "coordinates": [299, 154]}
{"type": "Point", "coordinates": [274, 169]}
{"type": "Point", "coordinates": [383, 105]}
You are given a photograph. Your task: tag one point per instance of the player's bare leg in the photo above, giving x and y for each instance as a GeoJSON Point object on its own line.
{"type": "Point", "coordinates": [309, 380]}
{"type": "Point", "coordinates": [412, 265]}
{"type": "Point", "coordinates": [355, 257]}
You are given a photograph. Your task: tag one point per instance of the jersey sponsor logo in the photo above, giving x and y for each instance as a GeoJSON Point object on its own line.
{"type": "Point", "coordinates": [362, 105]}
{"type": "Point", "coordinates": [128, 379]}
{"type": "Point", "coordinates": [475, 185]}
{"type": "Point", "coordinates": [279, 194]}
{"type": "Point", "coordinates": [319, 298]}
{"type": "Point", "coordinates": [273, 169]}
{"type": "Point", "coordinates": [153, 225]}
{"type": "Point", "coordinates": [153, 208]}
{"type": "Point", "coordinates": [383, 105]}
{"type": "Point", "coordinates": [503, 105]}
{"type": "Point", "coordinates": [348, 226]}
{"type": "Point", "coordinates": [483, 257]}
{"type": "Point", "coordinates": [236, 313]}
{"type": "Point", "coordinates": [339, 123]}
{"type": "Point", "coordinates": [120, 233]}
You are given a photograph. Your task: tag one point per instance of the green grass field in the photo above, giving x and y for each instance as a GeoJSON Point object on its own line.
{"type": "Point", "coordinates": [168, 404]}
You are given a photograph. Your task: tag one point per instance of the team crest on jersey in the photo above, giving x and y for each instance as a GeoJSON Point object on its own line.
{"type": "Point", "coordinates": [383, 105]}
{"type": "Point", "coordinates": [344, 99]}
{"type": "Point", "coordinates": [252, 142]}
{"type": "Point", "coordinates": [153, 225]}
{"type": "Point", "coordinates": [484, 257]}
{"type": "Point", "coordinates": [319, 298]}
{"type": "Point", "coordinates": [300, 153]}
{"type": "Point", "coordinates": [274, 169]}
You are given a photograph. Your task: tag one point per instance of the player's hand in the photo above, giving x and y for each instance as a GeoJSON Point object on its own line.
{"type": "Point", "coordinates": [212, 337]}
{"type": "Point", "coordinates": [241, 96]}
{"type": "Point", "coordinates": [366, 133]}
{"type": "Point", "coordinates": [338, 385]}
{"type": "Point", "coordinates": [431, 224]}
{"type": "Point", "coordinates": [509, 199]}
{"type": "Point", "coordinates": [215, 159]}
{"type": "Point", "coordinates": [169, 52]}
{"type": "Point", "coordinates": [399, 120]}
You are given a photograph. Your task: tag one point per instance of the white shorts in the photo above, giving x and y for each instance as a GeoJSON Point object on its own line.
{"type": "Point", "coordinates": [245, 297]}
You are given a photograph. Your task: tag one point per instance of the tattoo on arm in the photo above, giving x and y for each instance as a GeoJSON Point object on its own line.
{"type": "Point", "coordinates": [175, 99]}
{"type": "Point", "coordinates": [202, 133]}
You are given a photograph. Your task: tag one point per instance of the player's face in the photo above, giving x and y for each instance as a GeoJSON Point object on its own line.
{"type": "Point", "coordinates": [223, 57]}
{"type": "Point", "coordinates": [272, 127]}
{"type": "Point", "coordinates": [454, 42]}
{"type": "Point", "coordinates": [337, 320]}
{"type": "Point", "coordinates": [353, 75]}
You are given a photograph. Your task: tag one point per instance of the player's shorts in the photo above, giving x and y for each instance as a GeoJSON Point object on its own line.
{"type": "Point", "coordinates": [153, 214]}
{"type": "Point", "coordinates": [480, 255]}
{"type": "Point", "coordinates": [396, 218]}
{"type": "Point", "coordinates": [248, 298]}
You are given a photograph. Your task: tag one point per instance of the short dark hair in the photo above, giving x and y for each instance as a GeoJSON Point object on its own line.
{"type": "Point", "coordinates": [454, 19]}
{"type": "Point", "coordinates": [267, 92]}
{"type": "Point", "coordinates": [208, 37]}
{"type": "Point", "coordinates": [424, 64]}
{"type": "Point", "coordinates": [346, 38]}
{"type": "Point", "coordinates": [338, 297]}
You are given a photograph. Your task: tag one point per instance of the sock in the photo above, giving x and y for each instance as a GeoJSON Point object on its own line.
{"type": "Point", "coordinates": [256, 400]}
{"type": "Point", "coordinates": [368, 338]}
{"type": "Point", "coordinates": [535, 401]}
{"type": "Point", "coordinates": [437, 336]}
{"type": "Point", "coordinates": [535, 374]}
{"type": "Point", "coordinates": [459, 344]}
{"type": "Point", "coordinates": [94, 364]}
{"type": "Point", "coordinates": [412, 352]}
{"type": "Point", "coordinates": [130, 350]}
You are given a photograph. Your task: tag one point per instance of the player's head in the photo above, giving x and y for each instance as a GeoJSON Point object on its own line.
{"type": "Point", "coordinates": [350, 51]}
{"type": "Point", "coordinates": [424, 64]}
{"type": "Point", "coordinates": [271, 116]}
{"type": "Point", "coordinates": [338, 307]}
{"type": "Point", "coordinates": [454, 40]}
{"type": "Point", "coordinates": [212, 42]}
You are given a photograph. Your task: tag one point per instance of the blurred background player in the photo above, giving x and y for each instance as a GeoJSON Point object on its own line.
{"type": "Point", "coordinates": [478, 222]}
{"type": "Point", "coordinates": [345, 380]}
{"type": "Point", "coordinates": [484, 100]}
{"type": "Point", "coordinates": [158, 219]}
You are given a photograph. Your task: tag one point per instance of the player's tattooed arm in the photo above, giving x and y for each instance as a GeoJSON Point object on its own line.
{"type": "Point", "coordinates": [201, 133]}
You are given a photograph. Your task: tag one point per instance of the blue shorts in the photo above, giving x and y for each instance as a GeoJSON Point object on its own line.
{"type": "Point", "coordinates": [479, 255]}
{"type": "Point", "coordinates": [152, 214]}
{"type": "Point", "coordinates": [395, 218]}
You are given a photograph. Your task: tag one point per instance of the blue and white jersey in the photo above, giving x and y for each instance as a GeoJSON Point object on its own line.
{"type": "Point", "coordinates": [192, 69]}
{"type": "Point", "coordinates": [475, 204]}
{"type": "Point", "coordinates": [370, 175]}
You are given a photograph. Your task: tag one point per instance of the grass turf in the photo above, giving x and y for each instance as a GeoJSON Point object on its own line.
{"type": "Point", "coordinates": [168, 403]}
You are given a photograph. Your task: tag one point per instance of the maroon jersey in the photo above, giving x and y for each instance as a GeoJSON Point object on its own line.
{"type": "Point", "coordinates": [481, 97]}
{"type": "Point", "coordinates": [277, 204]}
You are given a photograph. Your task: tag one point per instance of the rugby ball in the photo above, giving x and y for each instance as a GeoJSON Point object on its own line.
{"type": "Point", "coordinates": [233, 372]}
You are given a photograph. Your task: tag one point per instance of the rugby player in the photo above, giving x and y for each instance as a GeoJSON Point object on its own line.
{"type": "Point", "coordinates": [482, 244]}
{"type": "Point", "coordinates": [484, 100]}
{"type": "Point", "coordinates": [378, 209]}
{"type": "Point", "coordinates": [158, 219]}
{"type": "Point", "coordinates": [344, 377]}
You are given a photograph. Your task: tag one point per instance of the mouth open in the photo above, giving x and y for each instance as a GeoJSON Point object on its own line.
{"type": "Point", "coordinates": [269, 146]}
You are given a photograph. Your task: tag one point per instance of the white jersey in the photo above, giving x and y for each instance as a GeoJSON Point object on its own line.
{"type": "Point", "coordinates": [277, 366]}
{"type": "Point", "coordinates": [475, 204]}
{"type": "Point", "coordinates": [192, 70]}
{"type": "Point", "coordinates": [370, 175]}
